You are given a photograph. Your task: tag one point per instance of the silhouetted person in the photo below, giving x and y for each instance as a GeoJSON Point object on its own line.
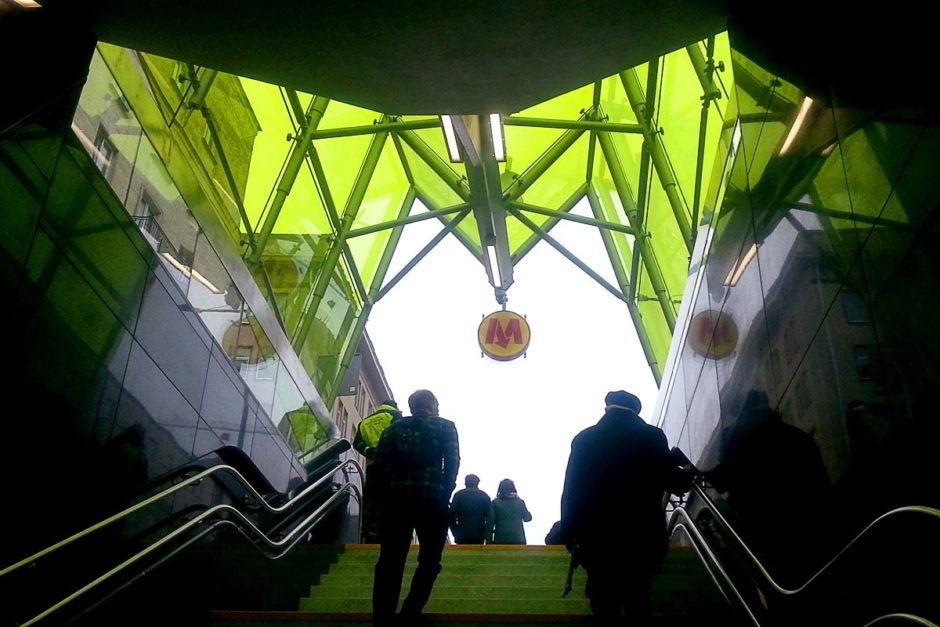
{"type": "Point", "coordinates": [368, 433]}
{"type": "Point", "coordinates": [777, 488]}
{"type": "Point", "coordinates": [611, 508]}
{"type": "Point", "coordinates": [507, 515]}
{"type": "Point", "coordinates": [415, 472]}
{"type": "Point", "coordinates": [469, 511]}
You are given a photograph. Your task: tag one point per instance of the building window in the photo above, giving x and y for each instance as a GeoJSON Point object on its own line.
{"type": "Point", "coordinates": [104, 152]}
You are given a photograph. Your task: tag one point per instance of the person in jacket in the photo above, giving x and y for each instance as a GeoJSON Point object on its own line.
{"type": "Point", "coordinates": [415, 469]}
{"type": "Point", "coordinates": [367, 438]}
{"type": "Point", "coordinates": [469, 512]}
{"type": "Point", "coordinates": [611, 508]}
{"type": "Point", "coordinates": [507, 513]}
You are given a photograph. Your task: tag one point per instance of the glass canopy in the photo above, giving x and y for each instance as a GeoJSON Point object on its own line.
{"type": "Point", "coordinates": [314, 193]}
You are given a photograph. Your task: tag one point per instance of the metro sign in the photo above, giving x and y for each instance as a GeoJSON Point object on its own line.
{"type": "Point", "coordinates": [503, 335]}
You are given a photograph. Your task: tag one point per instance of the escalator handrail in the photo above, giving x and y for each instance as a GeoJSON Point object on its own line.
{"type": "Point", "coordinates": [715, 570]}
{"type": "Point", "coordinates": [709, 560]}
{"type": "Point", "coordinates": [284, 544]}
{"type": "Point", "coordinates": [195, 479]}
{"type": "Point", "coordinates": [789, 592]}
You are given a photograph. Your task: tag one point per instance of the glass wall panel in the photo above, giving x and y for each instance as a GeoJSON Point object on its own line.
{"type": "Point", "coordinates": [95, 241]}
{"type": "Point", "coordinates": [23, 189]}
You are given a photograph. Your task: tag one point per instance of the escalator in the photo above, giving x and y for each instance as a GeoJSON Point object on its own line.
{"type": "Point", "coordinates": [196, 537]}
{"type": "Point", "coordinates": [264, 551]}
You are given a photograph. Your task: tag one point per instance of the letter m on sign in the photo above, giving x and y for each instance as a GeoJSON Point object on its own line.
{"type": "Point", "coordinates": [496, 334]}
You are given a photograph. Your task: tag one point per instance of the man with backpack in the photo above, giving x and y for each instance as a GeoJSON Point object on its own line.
{"type": "Point", "coordinates": [368, 433]}
{"type": "Point", "coordinates": [415, 472]}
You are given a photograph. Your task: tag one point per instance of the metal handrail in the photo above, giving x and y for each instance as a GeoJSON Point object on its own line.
{"type": "Point", "coordinates": [909, 509]}
{"type": "Point", "coordinates": [715, 570]}
{"type": "Point", "coordinates": [195, 479]}
{"type": "Point", "coordinates": [285, 543]}
{"type": "Point", "coordinates": [709, 560]}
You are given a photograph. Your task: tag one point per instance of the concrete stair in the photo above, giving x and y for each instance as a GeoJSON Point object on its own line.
{"type": "Point", "coordinates": [492, 585]}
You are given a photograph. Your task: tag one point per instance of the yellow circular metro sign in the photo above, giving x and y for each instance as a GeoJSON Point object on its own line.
{"type": "Point", "coordinates": [504, 335]}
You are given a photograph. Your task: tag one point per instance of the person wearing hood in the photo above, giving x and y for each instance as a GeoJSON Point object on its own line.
{"type": "Point", "coordinates": [611, 508]}
{"type": "Point", "coordinates": [507, 514]}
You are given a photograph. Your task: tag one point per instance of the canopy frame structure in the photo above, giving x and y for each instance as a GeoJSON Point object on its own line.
{"type": "Point", "coordinates": [608, 164]}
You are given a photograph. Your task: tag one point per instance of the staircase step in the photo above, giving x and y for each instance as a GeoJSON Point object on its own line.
{"type": "Point", "coordinates": [458, 605]}
{"type": "Point", "coordinates": [364, 619]}
{"type": "Point", "coordinates": [490, 585]}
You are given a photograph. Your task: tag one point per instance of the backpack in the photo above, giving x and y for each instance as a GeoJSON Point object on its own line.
{"type": "Point", "coordinates": [409, 449]}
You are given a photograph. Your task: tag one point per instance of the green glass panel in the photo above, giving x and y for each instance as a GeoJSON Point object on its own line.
{"type": "Point", "coordinates": [303, 210]}
{"type": "Point", "coordinates": [342, 115]}
{"type": "Point", "coordinates": [322, 350]}
{"type": "Point", "coordinates": [22, 192]}
{"type": "Point", "coordinates": [292, 263]}
{"type": "Point", "coordinates": [524, 145]}
{"type": "Point", "coordinates": [342, 160]}
{"type": "Point", "coordinates": [382, 201]}
{"type": "Point", "coordinates": [614, 101]}
{"type": "Point", "coordinates": [565, 107]}
{"type": "Point", "coordinates": [666, 239]}
{"type": "Point", "coordinates": [95, 239]}
{"type": "Point", "coordinates": [657, 331]}
{"type": "Point", "coordinates": [70, 300]}
{"type": "Point", "coordinates": [554, 187]}
{"type": "Point", "coordinates": [42, 148]}
{"type": "Point", "coordinates": [425, 178]}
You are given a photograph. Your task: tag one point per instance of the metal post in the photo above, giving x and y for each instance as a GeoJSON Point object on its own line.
{"type": "Point", "coordinates": [377, 279]}
{"type": "Point", "coordinates": [595, 103]}
{"type": "Point", "coordinates": [704, 68]}
{"type": "Point", "coordinates": [229, 176]}
{"type": "Point", "coordinates": [658, 154]}
{"type": "Point", "coordinates": [646, 253]}
{"type": "Point", "coordinates": [642, 194]}
{"type": "Point", "coordinates": [626, 286]}
{"type": "Point", "coordinates": [294, 162]}
{"type": "Point", "coordinates": [339, 237]}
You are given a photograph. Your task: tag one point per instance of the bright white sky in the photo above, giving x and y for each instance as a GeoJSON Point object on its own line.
{"type": "Point", "coordinates": [515, 419]}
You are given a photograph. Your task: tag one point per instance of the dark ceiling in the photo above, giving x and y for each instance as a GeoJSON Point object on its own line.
{"type": "Point", "coordinates": [430, 57]}
{"type": "Point", "coordinates": [420, 57]}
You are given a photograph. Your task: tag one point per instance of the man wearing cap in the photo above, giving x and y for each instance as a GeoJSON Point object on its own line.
{"type": "Point", "coordinates": [611, 507]}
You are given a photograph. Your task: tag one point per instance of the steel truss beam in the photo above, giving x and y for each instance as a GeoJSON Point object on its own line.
{"type": "Point", "coordinates": [351, 210]}
{"type": "Point", "coordinates": [626, 287]}
{"type": "Point", "coordinates": [580, 125]}
{"type": "Point", "coordinates": [651, 138]}
{"type": "Point", "coordinates": [284, 185]}
{"type": "Point", "coordinates": [563, 215]}
{"type": "Point", "coordinates": [408, 219]}
{"type": "Point", "coordinates": [565, 208]}
{"type": "Point", "coordinates": [377, 279]}
{"type": "Point", "coordinates": [647, 255]}
{"type": "Point", "coordinates": [422, 254]}
{"type": "Point", "coordinates": [570, 256]}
